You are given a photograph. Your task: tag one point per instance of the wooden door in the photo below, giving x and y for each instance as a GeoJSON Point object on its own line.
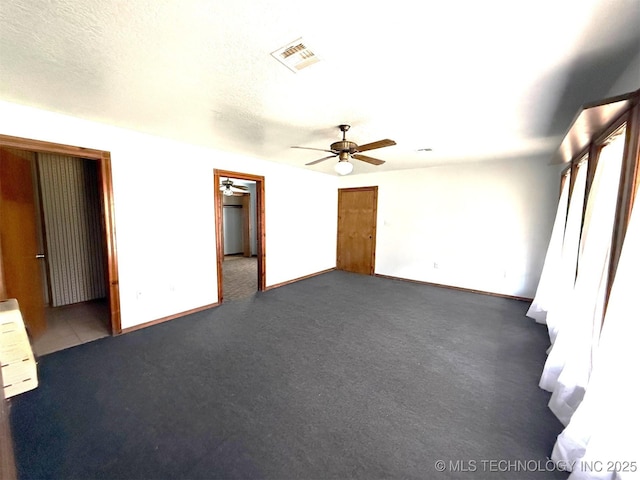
{"type": "Point", "coordinates": [20, 271]}
{"type": "Point", "coordinates": [357, 212]}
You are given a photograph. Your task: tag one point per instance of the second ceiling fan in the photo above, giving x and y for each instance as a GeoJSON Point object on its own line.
{"type": "Point", "coordinates": [344, 150]}
{"type": "Point", "coordinates": [228, 188]}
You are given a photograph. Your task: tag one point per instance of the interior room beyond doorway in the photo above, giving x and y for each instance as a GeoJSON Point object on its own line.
{"type": "Point", "coordinates": [239, 238]}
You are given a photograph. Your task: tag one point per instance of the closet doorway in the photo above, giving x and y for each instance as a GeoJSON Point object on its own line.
{"type": "Point", "coordinates": [71, 293]}
{"type": "Point", "coordinates": [239, 210]}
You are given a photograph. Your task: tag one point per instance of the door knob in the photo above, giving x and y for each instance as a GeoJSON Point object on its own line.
{"type": "Point", "coordinates": [39, 255]}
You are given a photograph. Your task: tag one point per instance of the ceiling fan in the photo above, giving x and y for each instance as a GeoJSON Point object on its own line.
{"type": "Point", "coordinates": [228, 188]}
{"type": "Point", "coordinates": [345, 150]}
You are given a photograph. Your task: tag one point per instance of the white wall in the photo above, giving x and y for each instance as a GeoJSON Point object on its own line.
{"type": "Point", "coordinates": [629, 81]}
{"type": "Point", "coordinates": [301, 223]}
{"type": "Point", "coordinates": [477, 226]}
{"type": "Point", "coordinates": [164, 212]}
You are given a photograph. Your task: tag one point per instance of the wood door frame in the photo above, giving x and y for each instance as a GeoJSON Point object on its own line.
{"type": "Point", "coordinates": [107, 203]}
{"type": "Point", "coordinates": [260, 224]}
{"type": "Point", "coordinates": [374, 189]}
{"type": "Point", "coordinates": [246, 224]}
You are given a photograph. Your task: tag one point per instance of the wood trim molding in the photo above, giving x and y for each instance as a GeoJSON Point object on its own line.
{"type": "Point", "coordinates": [566, 173]}
{"type": "Point", "coordinates": [217, 218]}
{"type": "Point", "coordinates": [241, 176]}
{"type": "Point", "coordinates": [260, 225]}
{"type": "Point", "coordinates": [113, 285]}
{"type": "Point", "coordinates": [288, 282]}
{"type": "Point", "coordinates": [628, 186]}
{"type": "Point", "coordinates": [451, 287]}
{"type": "Point", "coordinates": [108, 215]}
{"type": "Point", "coordinates": [591, 119]}
{"type": "Point", "coordinates": [246, 225]}
{"type": "Point", "coordinates": [49, 147]}
{"type": "Point", "coordinates": [375, 230]}
{"type": "Point", "coordinates": [170, 317]}
{"type": "Point", "coordinates": [3, 287]}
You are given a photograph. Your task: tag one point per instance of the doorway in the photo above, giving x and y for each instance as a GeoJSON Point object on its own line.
{"type": "Point", "coordinates": [240, 234]}
{"type": "Point", "coordinates": [28, 289]}
{"type": "Point", "coordinates": [357, 214]}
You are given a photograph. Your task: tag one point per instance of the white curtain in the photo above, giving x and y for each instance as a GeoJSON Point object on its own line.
{"type": "Point", "coordinates": [566, 273]}
{"type": "Point", "coordinates": [602, 440]}
{"type": "Point", "coordinates": [547, 291]}
{"type": "Point", "coordinates": [568, 366]}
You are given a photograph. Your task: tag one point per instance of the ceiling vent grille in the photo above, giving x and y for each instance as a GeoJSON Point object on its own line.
{"type": "Point", "coordinates": [295, 55]}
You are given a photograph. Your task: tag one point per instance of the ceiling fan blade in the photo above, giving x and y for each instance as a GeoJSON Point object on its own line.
{"type": "Point", "coordinates": [318, 149]}
{"type": "Point", "coordinates": [371, 160]}
{"type": "Point", "coordinates": [321, 160]}
{"type": "Point", "coordinates": [240, 187]}
{"type": "Point", "coordinates": [379, 144]}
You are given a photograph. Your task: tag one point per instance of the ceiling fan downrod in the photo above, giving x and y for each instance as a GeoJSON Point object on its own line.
{"type": "Point", "coordinates": [344, 129]}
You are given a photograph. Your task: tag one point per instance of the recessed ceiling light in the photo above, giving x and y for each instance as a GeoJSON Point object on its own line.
{"type": "Point", "coordinates": [295, 55]}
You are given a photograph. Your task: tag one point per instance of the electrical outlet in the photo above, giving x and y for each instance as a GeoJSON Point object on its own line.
{"type": "Point", "coordinates": [436, 265]}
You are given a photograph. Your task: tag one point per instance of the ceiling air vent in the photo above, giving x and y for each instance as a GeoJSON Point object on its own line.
{"type": "Point", "coordinates": [295, 55]}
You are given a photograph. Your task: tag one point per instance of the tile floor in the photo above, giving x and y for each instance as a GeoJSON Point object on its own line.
{"type": "Point", "coordinates": [72, 325]}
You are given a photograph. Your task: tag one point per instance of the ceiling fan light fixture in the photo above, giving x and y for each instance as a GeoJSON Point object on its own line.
{"type": "Point", "coordinates": [343, 167]}
{"type": "Point", "coordinates": [346, 150]}
{"type": "Point", "coordinates": [227, 191]}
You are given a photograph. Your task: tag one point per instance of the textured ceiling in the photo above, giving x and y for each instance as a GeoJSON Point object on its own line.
{"type": "Point", "coordinates": [473, 80]}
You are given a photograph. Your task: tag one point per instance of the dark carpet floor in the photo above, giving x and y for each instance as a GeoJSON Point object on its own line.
{"type": "Point", "coordinates": [337, 376]}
